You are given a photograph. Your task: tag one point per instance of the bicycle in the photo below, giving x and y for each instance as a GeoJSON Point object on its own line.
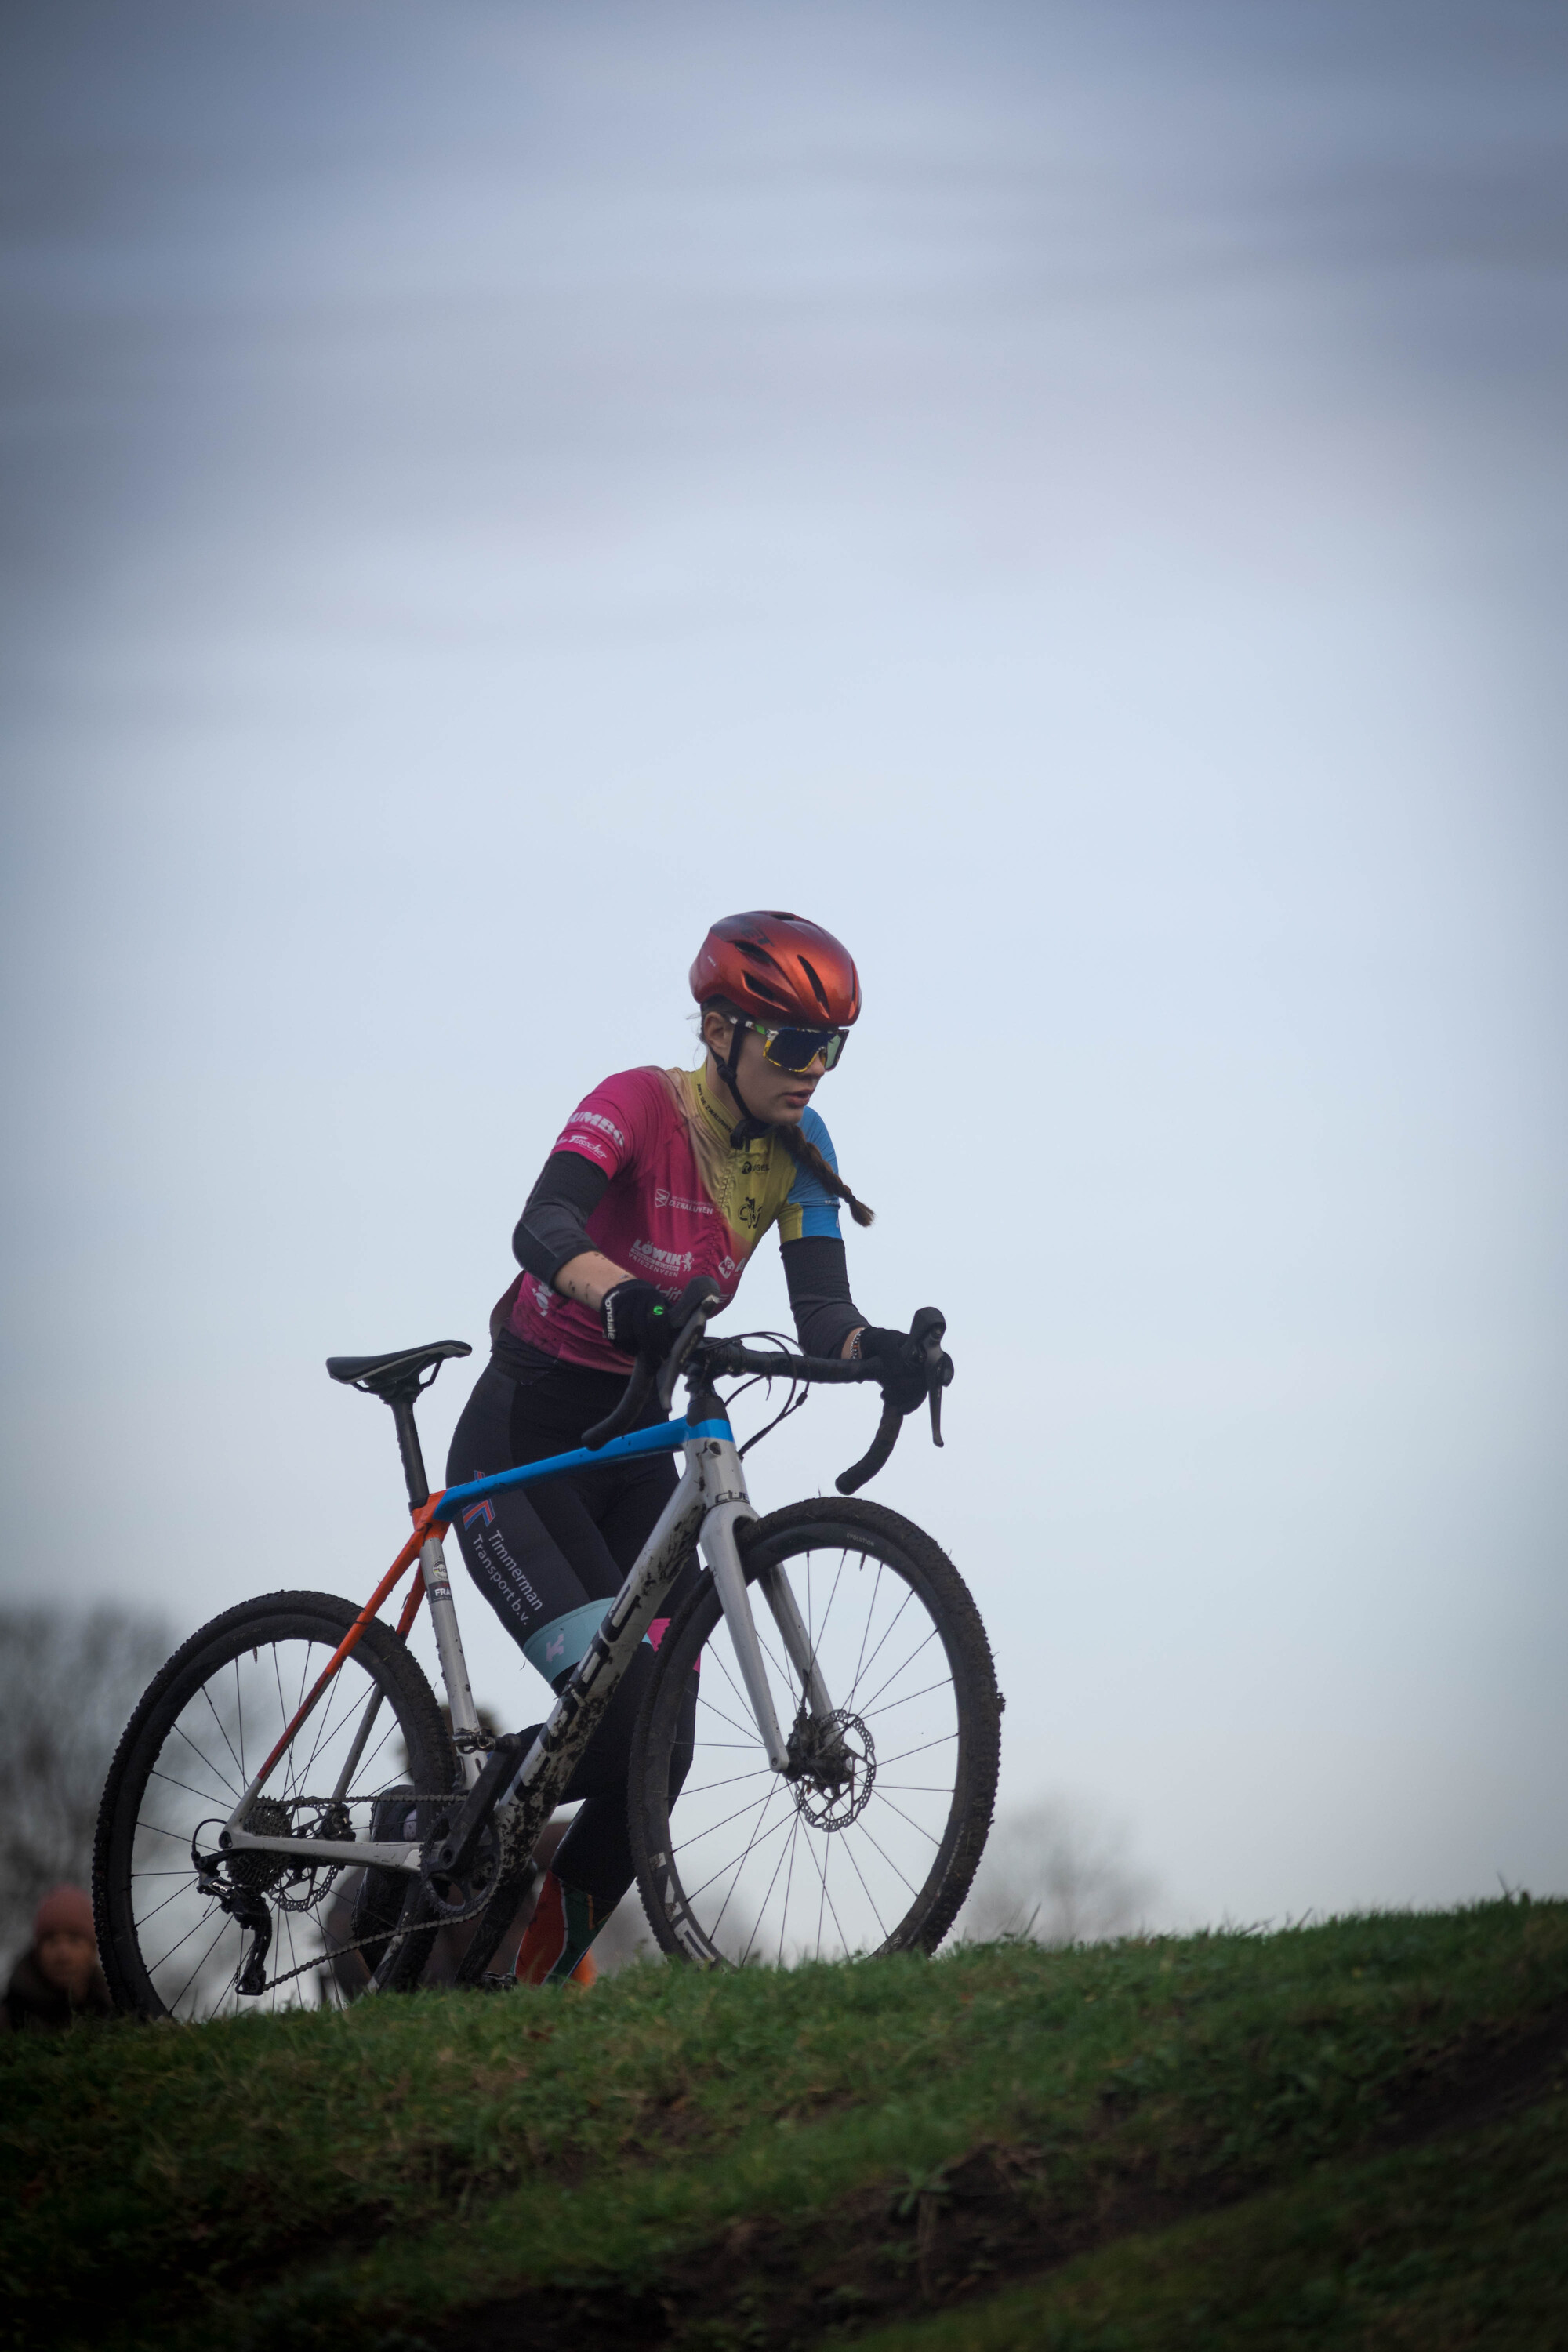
{"type": "Point", "coordinates": [834, 1800]}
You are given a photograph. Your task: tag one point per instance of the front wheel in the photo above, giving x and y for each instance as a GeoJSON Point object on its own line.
{"type": "Point", "coordinates": [870, 1839]}
{"type": "Point", "coordinates": [370, 1761]}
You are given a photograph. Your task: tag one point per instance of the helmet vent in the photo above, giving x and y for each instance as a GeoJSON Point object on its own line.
{"type": "Point", "coordinates": [760, 955]}
{"type": "Point", "coordinates": [822, 996]}
{"type": "Point", "coordinates": [770, 994]}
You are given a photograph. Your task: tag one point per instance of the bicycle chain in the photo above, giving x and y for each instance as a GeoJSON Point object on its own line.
{"type": "Point", "coordinates": [383, 1935]}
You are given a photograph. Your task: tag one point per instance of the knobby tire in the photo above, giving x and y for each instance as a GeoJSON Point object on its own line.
{"type": "Point", "coordinates": [873, 1534]}
{"type": "Point", "coordinates": [200, 1665]}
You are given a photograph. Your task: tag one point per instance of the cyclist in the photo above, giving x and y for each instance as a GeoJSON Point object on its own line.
{"type": "Point", "coordinates": [659, 1176]}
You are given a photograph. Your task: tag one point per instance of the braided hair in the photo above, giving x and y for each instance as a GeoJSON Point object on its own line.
{"type": "Point", "coordinates": [805, 1154]}
{"type": "Point", "coordinates": [801, 1149]}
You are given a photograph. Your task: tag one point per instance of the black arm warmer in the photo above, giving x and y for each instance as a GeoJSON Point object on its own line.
{"type": "Point", "coordinates": [817, 1274]}
{"type": "Point", "coordinates": [551, 1228]}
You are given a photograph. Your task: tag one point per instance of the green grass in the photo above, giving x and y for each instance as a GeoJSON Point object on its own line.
{"type": "Point", "coordinates": [1463, 2242]}
{"type": "Point", "coordinates": [769, 2159]}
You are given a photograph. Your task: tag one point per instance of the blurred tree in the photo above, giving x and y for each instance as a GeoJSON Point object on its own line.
{"type": "Point", "coordinates": [1057, 1874]}
{"type": "Point", "coordinates": [67, 1684]}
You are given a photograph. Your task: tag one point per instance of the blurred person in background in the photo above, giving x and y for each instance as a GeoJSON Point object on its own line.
{"type": "Point", "coordinates": [57, 1978]}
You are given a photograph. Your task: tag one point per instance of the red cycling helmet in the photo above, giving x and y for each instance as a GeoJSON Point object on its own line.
{"type": "Point", "coordinates": [777, 966]}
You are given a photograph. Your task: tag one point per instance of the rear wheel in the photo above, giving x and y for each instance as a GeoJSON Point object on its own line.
{"type": "Point", "coordinates": [869, 1841]}
{"type": "Point", "coordinates": [176, 1937]}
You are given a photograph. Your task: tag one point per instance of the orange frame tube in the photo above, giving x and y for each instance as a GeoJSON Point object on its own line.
{"type": "Point", "coordinates": [426, 1524]}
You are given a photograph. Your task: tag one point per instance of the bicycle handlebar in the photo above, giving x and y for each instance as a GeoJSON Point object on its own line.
{"type": "Point", "coordinates": [849, 1482]}
{"type": "Point", "coordinates": [712, 1358]}
{"type": "Point", "coordinates": [638, 1389]}
{"type": "Point", "coordinates": [725, 1356]}
{"type": "Point", "coordinates": [692, 1309]}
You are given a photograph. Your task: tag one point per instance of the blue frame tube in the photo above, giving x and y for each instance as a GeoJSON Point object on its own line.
{"type": "Point", "coordinates": [665, 1439]}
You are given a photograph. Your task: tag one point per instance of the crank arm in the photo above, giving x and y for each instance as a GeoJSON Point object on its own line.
{"type": "Point", "coordinates": [456, 1850]}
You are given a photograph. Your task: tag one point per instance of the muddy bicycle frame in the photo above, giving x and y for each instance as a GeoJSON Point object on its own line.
{"type": "Point", "coordinates": [708, 1506]}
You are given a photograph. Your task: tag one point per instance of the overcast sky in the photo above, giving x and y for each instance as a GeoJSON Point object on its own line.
{"type": "Point", "coordinates": [1071, 497]}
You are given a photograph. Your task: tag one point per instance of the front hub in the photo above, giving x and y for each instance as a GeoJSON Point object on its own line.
{"type": "Point", "coordinates": [832, 1768]}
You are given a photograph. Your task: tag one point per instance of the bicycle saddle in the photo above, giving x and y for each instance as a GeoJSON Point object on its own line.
{"type": "Point", "coordinates": [400, 1373]}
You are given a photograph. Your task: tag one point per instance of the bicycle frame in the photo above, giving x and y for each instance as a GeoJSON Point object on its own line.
{"type": "Point", "coordinates": [708, 1506]}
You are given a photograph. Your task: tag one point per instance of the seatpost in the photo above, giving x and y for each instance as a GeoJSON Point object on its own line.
{"type": "Point", "coordinates": [408, 1446]}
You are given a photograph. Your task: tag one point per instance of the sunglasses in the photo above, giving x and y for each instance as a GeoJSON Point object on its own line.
{"type": "Point", "coordinates": [796, 1049]}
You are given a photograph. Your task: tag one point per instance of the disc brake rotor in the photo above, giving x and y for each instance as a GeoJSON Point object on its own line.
{"type": "Point", "coordinates": [833, 1767]}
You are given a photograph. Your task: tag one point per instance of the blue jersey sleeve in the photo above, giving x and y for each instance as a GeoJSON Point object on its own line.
{"type": "Point", "coordinates": [810, 1213]}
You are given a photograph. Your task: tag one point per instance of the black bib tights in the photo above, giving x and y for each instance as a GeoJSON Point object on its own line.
{"type": "Point", "coordinates": [549, 1558]}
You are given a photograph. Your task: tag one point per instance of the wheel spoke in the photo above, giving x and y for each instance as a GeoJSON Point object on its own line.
{"type": "Point", "coordinates": [740, 1699]}
{"type": "Point", "coordinates": [714, 1828]}
{"type": "Point", "coordinates": [789, 1881]}
{"type": "Point", "coordinates": [249, 1688]}
{"type": "Point", "coordinates": [202, 1796]}
{"type": "Point", "coordinates": [154, 1829]}
{"type": "Point", "coordinates": [714, 1876]}
{"type": "Point", "coordinates": [846, 1946]}
{"type": "Point", "coordinates": [946, 1740]}
{"type": "Point", "coordinates": [145, 1919]}
{"type": "Point", "coordinates": [196, 1972]}
{"type": "Point", "coordinates": [768, 1898]}
{"type": "Point", "coordinates": [870, 1897]}
{"type": "Point", "coordinates": [887, 1857]}
{"type": "Point", "coordinates": [893, 1677]}
{"type": "Point", "coordinates": [202, 1758]}
{"type": "Point", "coordinates": [714, 1708]}
{"type": "Point", "coordinates": [870, 1629]}
{"type": "Point", "coordinates": [154, 1965]}
{"type": "Point", "coordinates": [909, 1698]}
{"type": "Point", "coordinates": [914, 1824]}
{"type": "Point", "coordinates": [223, 1734]}
{"type": "Point", "coordinates": [742, 1863]}
{"type": "Point", "coordinates": [705, 1787]}
{"type": "Point", "coordinates": [866, 1635]}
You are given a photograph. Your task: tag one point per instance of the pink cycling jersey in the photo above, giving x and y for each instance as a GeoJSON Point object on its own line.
{"type": "Point", "coordinates": [655, 1220]}
{"type": "Point", "coordinates": [659, 1217]}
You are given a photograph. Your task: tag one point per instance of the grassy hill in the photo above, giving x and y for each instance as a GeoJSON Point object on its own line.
{"type": "Point", "coordinates": [1354, 2134]}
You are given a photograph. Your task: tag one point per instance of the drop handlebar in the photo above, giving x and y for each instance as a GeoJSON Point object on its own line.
{"type": "Point", "coordinates": [714, 1358]}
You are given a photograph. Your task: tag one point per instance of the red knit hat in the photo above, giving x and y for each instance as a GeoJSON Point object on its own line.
{"type": "Point", "coordinates": [64, 1911]}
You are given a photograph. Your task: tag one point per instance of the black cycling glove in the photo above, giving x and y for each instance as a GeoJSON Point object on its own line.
{"type": "Point", "coordinates": [637, 1321]}
{"type": "Point", "coordinates": [901, 1363]}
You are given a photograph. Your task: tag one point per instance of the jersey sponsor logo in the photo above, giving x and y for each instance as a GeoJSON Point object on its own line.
{"type": "Point", "coordinates": [485, 1510]}
{"type": "Point", "coordinates": [589, 1144]}
{"type": "Point", "coordinates": [662, 1261]}
{"type": "Point", "coordinates": [663, 1198]}
{"type": "Point", "coordinates": [605, 1126]}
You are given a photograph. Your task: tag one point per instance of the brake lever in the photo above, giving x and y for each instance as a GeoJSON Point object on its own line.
{"type": "Point", "coordinates": [927, 1330]}
{"type": "Point", "coordinates": [700, 1298]}
{"type": "Point", "coordinates": [926, 1333]}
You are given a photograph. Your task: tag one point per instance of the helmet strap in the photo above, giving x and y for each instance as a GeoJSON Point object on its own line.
{"type": "Point", "coordinates": [749, 1128]}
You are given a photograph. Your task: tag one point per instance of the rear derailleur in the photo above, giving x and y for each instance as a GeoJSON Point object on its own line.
{"type": "Point", "coordinates": [240, 1882]}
